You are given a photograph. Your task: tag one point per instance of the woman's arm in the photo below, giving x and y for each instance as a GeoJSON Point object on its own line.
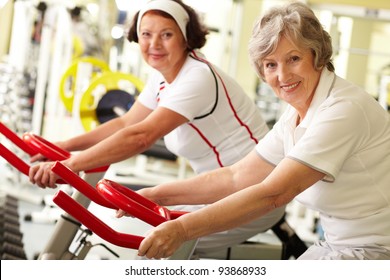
{"type": "Point", "coordinates": [211, 186]}
{"type": "Point", "coordinates": [117, 146]}
{"type": "Point", "coordinates": [286, 181]}
{"type": "Point", "coordinates": [127, 142]}
{"type": "Point", "coordinates": [136, 114]}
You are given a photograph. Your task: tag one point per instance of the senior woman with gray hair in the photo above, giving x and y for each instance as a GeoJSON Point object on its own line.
{"type": "Point", "coordinates": [330, 151]}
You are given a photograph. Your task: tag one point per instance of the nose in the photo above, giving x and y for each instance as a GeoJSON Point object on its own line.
{"type": "Point", "coordinates": [284, 73]}
{"type": "Point", "coordinates": [155, 42]}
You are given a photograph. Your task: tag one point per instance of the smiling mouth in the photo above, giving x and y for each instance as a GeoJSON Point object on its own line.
{"type": "Point", "coordinates": [290, 87]}
{"type": "Point", "coordinates": [155, 55]}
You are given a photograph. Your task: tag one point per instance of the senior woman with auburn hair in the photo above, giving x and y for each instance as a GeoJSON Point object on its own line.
{"type": "Point", "coordinates": [330, 150]}
{"type": "Point", "coordinates": [203, 115]}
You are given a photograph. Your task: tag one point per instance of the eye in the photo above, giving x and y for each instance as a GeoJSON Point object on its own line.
{"type": "Point", "coordinates": [295, 58]}
{"type": "Point", "coordinates": [166, 35]}
{"type": "Point", "coordinates": [270, 65]}
{"type": "Point", "coordinates": [145, 34]}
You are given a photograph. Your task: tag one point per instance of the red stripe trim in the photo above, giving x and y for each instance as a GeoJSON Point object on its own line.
{"type": "Point", "coordinates": [208, 143]}
{"type": "Point", "coordinates": [230, 101]}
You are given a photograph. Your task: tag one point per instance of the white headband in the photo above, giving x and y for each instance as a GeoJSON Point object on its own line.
{"type": "Point", "coordinates": [172, 8]}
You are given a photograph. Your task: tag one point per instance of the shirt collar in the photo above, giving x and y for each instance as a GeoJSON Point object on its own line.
{"type": "Point", "coordinates": [322, 92]}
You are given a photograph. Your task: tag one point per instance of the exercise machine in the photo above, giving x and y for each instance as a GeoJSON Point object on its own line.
{"type": "Point", "coordinates": [94, 94]}
{"type": "Point", "coordinates": [19, 190]}
{"type": "Point", "coordinates": [113, 195]}
{"type": "Point", "coordinates": [67, 227]}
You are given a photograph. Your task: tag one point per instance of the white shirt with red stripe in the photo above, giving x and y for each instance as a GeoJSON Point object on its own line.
{"type": "Point", "coordinates": [224, 123]}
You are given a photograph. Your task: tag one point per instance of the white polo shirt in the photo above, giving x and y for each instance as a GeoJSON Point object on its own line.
{"type": "Point", "coordinates": [224, 123]}
{"type": "Point", "coordinates": [346, 135]}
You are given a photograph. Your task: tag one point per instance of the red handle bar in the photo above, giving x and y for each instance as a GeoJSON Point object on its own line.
{"type": "Point", "coordinates": [14, 160]}
{"type": "Point", "coordinates": [112, 195]}
{"type": "Point", "coordinates": [51, 151]}
{"type": "Point", "coordinates": [18, 163]}
{"type": "Point", "coordinates": [82, 186]}
{"type": "Point", "coordinates": [135, 204]}
{"type": "Point", "coordinates": [32, 145]}
{"type": "Point", "coordinates": [44, 147]}
{"type": "Point", "coordinates": [126, 200]}
{"type": "Point", "coordinates": [95, 224]}
{"type": "Point", "coordinates": [16, 140]}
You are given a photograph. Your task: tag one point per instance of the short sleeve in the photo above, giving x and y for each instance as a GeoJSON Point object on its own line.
{"type": "Point", "coordinates": [337, 131]}
{"type": "Point", "coordinates": [192, 94]}
{"type": "Point", "coordinates": [148, 95]}
{"type": "Point", "coordinates": [271, 146]}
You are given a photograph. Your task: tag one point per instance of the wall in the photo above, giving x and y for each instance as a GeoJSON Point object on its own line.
{"type": "Point", "coordinates": [6, 26]}
{"type": "Point", "coordinates": [245, 73]}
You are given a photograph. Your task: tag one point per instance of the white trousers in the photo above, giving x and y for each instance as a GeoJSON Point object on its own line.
{"type": "Point", "coordinates": [322, 250]}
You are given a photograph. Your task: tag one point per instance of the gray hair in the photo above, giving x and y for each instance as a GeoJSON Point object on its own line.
{"type": "Point", "coordinates": [297, 22]}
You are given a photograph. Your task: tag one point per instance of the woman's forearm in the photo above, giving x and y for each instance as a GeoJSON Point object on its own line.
{"type": "Point", "coordinates": [203, 189]}
{"type": "Point", "coordinates": [230, 212]}
{"type": "Point", "coordinates": [287, 180]}
{"type": "Point", "coordinates": [87, 140]}
{"type": "Point", "coordinates": [213, 185]}
{"type": "Point", "coordinates": [125, 137]}
{"type": "Point", "coordinates": [119, 146]}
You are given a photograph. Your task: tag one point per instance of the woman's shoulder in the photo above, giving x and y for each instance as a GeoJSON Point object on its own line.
{"type": "Point", "coordinates": [195, 68]}
{"type": "Point", "coordinates": [349, 91]}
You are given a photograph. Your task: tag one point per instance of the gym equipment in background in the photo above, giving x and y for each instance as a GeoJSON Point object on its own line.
{"type": "Point", "coordinates": [67, 86]}
{"type": "Point", "coordinates": [94, 94]}
{"type": "Point", "coordinates": [108, 96]}
{"type": "Point", "coordinates": [11, 236]}
{"type": "Point", "coordinates": [16, 99]}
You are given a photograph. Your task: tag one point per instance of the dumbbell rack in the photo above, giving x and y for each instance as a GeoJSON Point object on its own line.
{"type": "Point", "coordinates": [12, 247]}
{"type": "Point", "coordinates": [16, 111]}
{"type": "Point", "coordinates": [16, 100]}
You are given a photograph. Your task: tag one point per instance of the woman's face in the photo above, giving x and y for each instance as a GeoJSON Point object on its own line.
{"type": "Point", "coordinates": [290, 73]}
{"type": "Point", "coordinates": [162, 44]}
